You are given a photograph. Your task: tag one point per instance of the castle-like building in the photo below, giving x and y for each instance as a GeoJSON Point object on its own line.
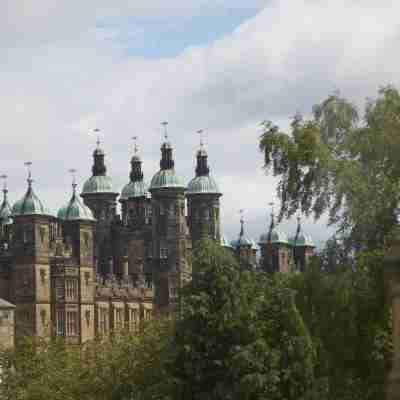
{"type": "Point", "coordinates": [89, 271]}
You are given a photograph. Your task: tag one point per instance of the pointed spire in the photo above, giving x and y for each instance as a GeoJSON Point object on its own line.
{"type": "Point", "coordinates": [167, 161]}
{"type": "Point", "coordinates": [202, 168]}
{"type": "Point", "coordinates": [272, 222]}
{"type": "Point", "coordinates": [241, 234]}
{"type": "Point", "coordinates": [136, 174]}
{"type": "Point", "coordinates": [298, 230]}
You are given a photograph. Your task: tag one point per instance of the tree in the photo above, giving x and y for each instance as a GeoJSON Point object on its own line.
{"type": "Point", "coordinates": [240, 335]}
{"type": "Point", "coordinates": [339, 163]}
{"type": "Point", "coordinates": [349, 322]}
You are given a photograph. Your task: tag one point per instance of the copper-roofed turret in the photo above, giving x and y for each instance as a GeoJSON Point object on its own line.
{"type": "Point", "coordinates": [166, 177]}
{"type": "Point", "coordinates": [136, 186]}
{"type": "Point", "coordinates": [30, 204]}
{"type": "Point", "coordinates": [99, 181]}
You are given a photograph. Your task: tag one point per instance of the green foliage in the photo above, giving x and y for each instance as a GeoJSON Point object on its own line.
{"type": "Point", "coordinates": [349, 322]}
{"type": "Point", "coordinates": [122, 368]}
{"type": "Point", "coordinates": [240, 335]}
{"type": "Point", "coordinates": [337, 163]}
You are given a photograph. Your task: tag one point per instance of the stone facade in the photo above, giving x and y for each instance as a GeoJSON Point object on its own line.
{"type": "Point", "coordinates": [90, 271]}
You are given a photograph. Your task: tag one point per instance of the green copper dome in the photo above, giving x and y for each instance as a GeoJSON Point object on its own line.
{"type": "Point", "coordinates": [75, 210]}
{"type": "Point", "coordinates": [203, 184]}
{"type": "Point", "coordinates": [30, 204]}
{"type": "Point", "coordinates": [303, 240]}
{"type": "Point", "coordinates": [242, 241]}
{"type": "Point", "coordinates": [134, 190]}
{"type": "Point", "coordinates": [98, 184]}
{"type": "Point", "coordinates": [276, 237]}
{"type": "Point", "coordinates": [166, 178]}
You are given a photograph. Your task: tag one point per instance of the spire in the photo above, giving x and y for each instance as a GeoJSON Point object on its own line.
{"type": "Point", "coordinates": [167, 161]}
{"type": "Point", "coordinates": [202, 168]}
{"type": "Point", "coordinates": [136, 174]}
{"type": "Point", "coordinates": [99, 168]}
{"type": "Point", "coordinates": [272, 223]}
{"type": "Point", "coordinates": [298, 230]}
{"type": "Point", "coordinates": [241, 234]}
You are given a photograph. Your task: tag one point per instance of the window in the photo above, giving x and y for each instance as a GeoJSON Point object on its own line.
{"type": "Point", "coordinates": [162, 210]}
{"type": "Point", "coordinates": [71, 289]}
{"type": "Point", "coordinates": [148, 314]}
{"type": "Point", "coordinates": [60, 322]}
{"type": "Point", "coordinates": [149, 281]}
{"type": "Point", "coordinates": [134, 320]}
{"type": "Point", "coordinates": [72, 323]}
{"type": "Point", "coordinates": [119, 319]}
{"type": "Point", "coordinates": [163, 252]}
{"type": "Point", "coordinates": [103, 320]}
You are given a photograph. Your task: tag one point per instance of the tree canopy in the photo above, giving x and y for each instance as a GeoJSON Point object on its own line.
{"type": "Point", "coordinates": [341, 163]}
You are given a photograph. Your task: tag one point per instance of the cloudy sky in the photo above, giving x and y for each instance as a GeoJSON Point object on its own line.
{"type": "Point", "coordinates": [124, 66]}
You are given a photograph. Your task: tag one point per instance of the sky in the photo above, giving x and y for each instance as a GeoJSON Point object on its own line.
{"type": "Point", "coordinates": [123, 66]}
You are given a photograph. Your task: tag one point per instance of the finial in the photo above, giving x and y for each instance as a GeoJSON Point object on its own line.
{"type": "Point", "coordinates": [165, 124]}
{"type": "Point", "coordinates": [4, 178]}
{"type": "Point", "coordinates": [28, 164]}
{"type": "Point", "coordinates": [201, 133]}
{"type": "Point", "coordinates": [97, 132]}
{"type": "Point", "coordinates": [72, 171]}
{"type": "Point", "coordinates": [135, 147]}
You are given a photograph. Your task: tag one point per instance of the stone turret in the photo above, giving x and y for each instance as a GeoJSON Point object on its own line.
{"type": "Point", "coordinates": [99, 196]}
{"type": "Point", "coordinates": [169, 230]}
{"type": "Point", "coordinates": [203, 201]}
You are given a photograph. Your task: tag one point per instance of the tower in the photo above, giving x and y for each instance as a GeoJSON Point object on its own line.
{"type": "Point", "coordinates": [303, 247]}
{"type": "Point", "coordinates": [274, 247]}
{"type": "Point", "coordinates": [99, 196]}
{"type": "Point", "coordinates": [203, 201]}
{"type": "Point", "coordinates": [73, 301]}
{"type": "Point", "coordinates": [135, 204]}
{"type": "Point", "coordinates": [134, 252]}
{"type": "Point", "coordinates": [33, 237]}
{"type": "Point", "coordinates": [244, 247]}
{"type": "Point", "coordinates": [169, 230]}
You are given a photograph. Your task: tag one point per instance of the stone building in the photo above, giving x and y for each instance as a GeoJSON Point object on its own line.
{"type": "Point", "coordinates": [90, 271]}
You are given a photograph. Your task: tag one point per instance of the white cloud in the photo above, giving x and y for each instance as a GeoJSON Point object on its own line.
{"type": "Point", "coordinates": [288, 57]}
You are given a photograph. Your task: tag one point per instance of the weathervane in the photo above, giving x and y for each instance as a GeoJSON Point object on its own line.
{"type": "Point", "coordinates": [135, 148]}
{"type": "Point", "coordinates": [97, 132]}
{"type": "Point", "coordinates": [165, 124]}
{"type": "Point", "coordinates": [72, 171]}
{"type": "Point", "coordinates": [201, 134]}
{"type": "Point", "coordinates": [4, 178]}
{"type": "Point", "coordinates": [28, 164]}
